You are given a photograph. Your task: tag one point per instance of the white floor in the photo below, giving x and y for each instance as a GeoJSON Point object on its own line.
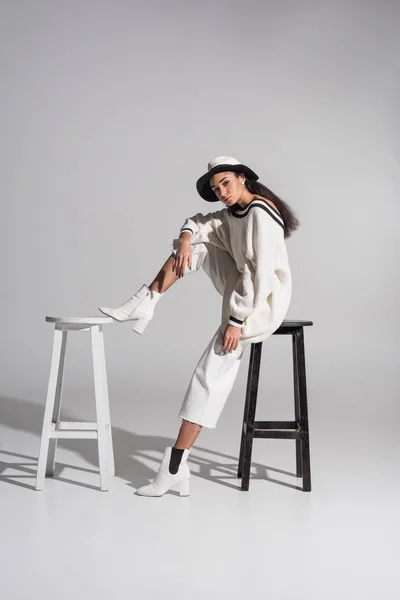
{"type": "Point", "coordinates": [72, 541]}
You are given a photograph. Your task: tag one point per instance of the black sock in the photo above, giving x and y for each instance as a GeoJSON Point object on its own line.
{"type": "Point", "coordinates": [175, 460]}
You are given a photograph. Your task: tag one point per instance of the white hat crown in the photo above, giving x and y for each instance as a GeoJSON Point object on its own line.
{"type": "Point", "coordinates": [216, 165]}
{"type": "Point", "coordinates": [222, 160]}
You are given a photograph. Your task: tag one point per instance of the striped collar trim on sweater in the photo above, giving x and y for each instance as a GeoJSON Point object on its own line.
{"type": "Point", "coordinates": [239, 212]}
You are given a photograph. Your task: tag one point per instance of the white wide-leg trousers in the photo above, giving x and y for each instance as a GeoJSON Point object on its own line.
{"type": "Point", "coordinates": [215, 373]}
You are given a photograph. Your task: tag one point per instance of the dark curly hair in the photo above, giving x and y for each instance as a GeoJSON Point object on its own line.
{"type": "Point", "coordinates": [290, 220]}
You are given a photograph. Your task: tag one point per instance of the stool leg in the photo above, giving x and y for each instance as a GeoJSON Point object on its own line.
{"type": "Point", "coordinates": [51, 456]}
{"type": "Point", "coordinates": [252, 390]}
{"type": "Point", "coordinates": [305, 445]}
{"type": "Point", "coordinates": [53, 391]}
{"type": "Point", "coordinates": [245, 414]}
{"type": "Point", "coordinates": [107, 416]}
{"type": "Point", "coordinates": [299, 463]}
{"type": "Point", "coordinates": [102, 435]}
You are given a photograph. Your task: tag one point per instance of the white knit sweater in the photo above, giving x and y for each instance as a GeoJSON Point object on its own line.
{"type": "Point", "coordinates": [254, 237]}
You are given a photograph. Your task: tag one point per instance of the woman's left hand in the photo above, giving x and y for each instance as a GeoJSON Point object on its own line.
{"type": "Point", "coordinates": [231, 338]}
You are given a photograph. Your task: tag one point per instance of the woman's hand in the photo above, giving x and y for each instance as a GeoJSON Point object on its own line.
{"type": "Point", "coordinates": [231, 338]}
{"type": "Point", "coordinates": [183, 256]}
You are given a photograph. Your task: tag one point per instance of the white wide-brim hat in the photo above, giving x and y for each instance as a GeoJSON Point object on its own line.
{"type": "Point", "coordinates": [219, 165]}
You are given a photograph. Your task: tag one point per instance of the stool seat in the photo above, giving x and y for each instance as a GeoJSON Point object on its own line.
{"type": "Point", "coordinates": [290, 324]}
{"type": "Point", "coordinates": [80, 320]}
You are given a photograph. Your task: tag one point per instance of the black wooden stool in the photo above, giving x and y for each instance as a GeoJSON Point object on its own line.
{"type": "Point", "coordinates": [295, 430]}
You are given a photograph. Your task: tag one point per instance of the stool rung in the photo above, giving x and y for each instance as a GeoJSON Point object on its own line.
{"type": "Point", "coordinates": [276, 429]}
{"type": "Point", "coordinates": [83, 435]}
{"type": "Point", "coordinates": [284, 434]}
{"type": "Point", "coordinates": [276, 425]}
{"type": "Point", "coordinates": [75, 425]}
{"type": "Point", "coordinates": [74, 430]}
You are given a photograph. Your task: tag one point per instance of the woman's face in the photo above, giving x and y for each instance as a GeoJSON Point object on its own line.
{"type": "Point", "coordinates": [227, 187]}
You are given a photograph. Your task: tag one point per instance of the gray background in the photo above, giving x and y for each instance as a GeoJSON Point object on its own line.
{"type": "Point", "coordinates": [109, 113]}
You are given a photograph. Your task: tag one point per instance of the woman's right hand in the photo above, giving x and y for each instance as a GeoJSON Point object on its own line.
{"type": "Point", "coordinates": [183, 256]}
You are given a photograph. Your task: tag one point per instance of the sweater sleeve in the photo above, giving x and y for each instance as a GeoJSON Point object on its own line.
{"type": "Point", "coordinates": [256, 281]}
{"type": "Point", "coordinates": [205, 228]}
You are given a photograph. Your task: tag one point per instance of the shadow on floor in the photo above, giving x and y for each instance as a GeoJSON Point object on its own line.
{"type": "Point", "coordinates": [129, 451]}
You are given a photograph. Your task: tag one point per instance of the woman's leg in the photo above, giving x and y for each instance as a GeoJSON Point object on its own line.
{"type": "Point", "coordinates": [165, 277]}
{"type": "Point", "coordinates": [211, 383]}
{"type": "Point", "coordinates": [160, 284]}
{"type": "Point", "coordinates": [187, 435]}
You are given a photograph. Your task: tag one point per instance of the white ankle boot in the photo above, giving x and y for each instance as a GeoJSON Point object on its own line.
{"type": "Point", "coordinates": [165, 480]}
{"type": "Point", "coordinates": [139, 308]}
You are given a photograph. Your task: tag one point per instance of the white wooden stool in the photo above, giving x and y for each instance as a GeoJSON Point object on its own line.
{"type": "Point", "coordinates": [53, 428]}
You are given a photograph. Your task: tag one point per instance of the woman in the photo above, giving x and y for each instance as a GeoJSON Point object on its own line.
{"type": "Point", "coordinates": [242, 249]}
